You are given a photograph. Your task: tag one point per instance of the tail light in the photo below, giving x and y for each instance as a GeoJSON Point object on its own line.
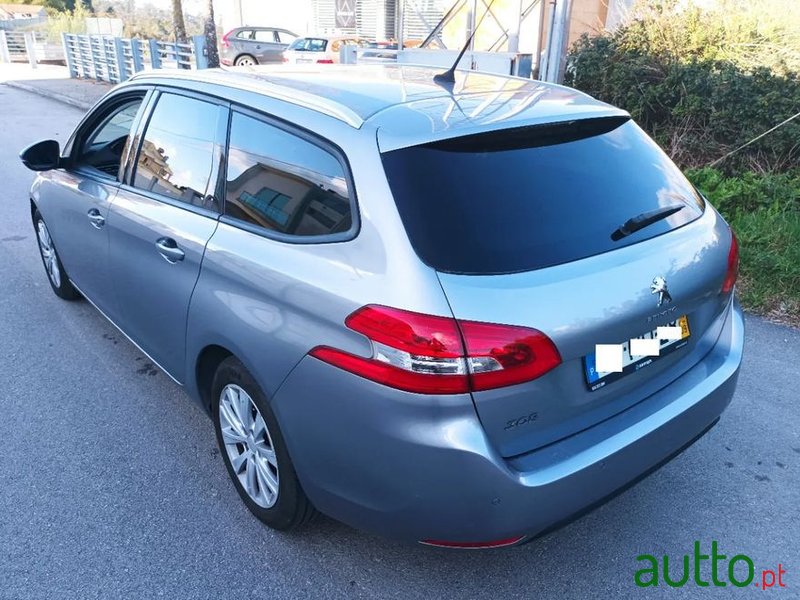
{"type": "Point", "coordinates": [440, 355]}
{"type": "Point", "coordinates": [225, 42]}
{"type": "Point", "coordinates": [324, 61]}
{"type": "Point", "coordinates": [733, 265]}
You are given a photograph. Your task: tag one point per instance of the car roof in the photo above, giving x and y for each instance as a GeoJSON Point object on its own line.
{"type": "Point", "coordinates": [259, 28]}
{"type": "Point", "coordinates": [402, 101]}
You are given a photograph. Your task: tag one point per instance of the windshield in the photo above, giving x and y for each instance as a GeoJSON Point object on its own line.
{"type": "Point", "coordinates": [528, 198]}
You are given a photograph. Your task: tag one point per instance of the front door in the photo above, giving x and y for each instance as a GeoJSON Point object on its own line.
{"type": "Point", "coordinates": [86, 190]}
{"type": "Point", "coordinates": [161, 221]}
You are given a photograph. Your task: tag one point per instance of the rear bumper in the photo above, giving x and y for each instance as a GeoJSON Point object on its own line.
{"type": "Point", "coordinates": [420, 467]}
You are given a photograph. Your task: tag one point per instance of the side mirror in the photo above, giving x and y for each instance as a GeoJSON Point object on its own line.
{"type": "Point", "coordinates": [42, 156]}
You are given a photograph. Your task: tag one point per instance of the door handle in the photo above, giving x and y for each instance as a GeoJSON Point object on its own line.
{"type": "Point", "coordinates": [168, 248]}
{"type": "Point", "coordinates": [95, 218]}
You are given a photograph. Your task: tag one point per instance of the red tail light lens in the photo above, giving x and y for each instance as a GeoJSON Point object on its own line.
{"type": "Point", "coordinates": [411, 332]}
{"type": "Point", "coordinates": [439, 355]}
{"type": "Point", "coordinates": [324, 61]}
{"type": "Point", "coordinates": [732, 273]}
{"type": "Point", "coordinates": [501, 355]}
{"type": "Point", "coordinates": [225, 42]}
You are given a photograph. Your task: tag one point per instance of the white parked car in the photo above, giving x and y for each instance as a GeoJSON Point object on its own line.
{"type": "Point", "coordinates": [318, 49]}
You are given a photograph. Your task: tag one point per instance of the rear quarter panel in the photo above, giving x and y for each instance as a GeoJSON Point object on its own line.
{"type": "Point", "coordinates": [270, 302]}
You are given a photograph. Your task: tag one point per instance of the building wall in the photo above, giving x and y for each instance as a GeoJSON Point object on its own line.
{"type": "Point", "coordinates": [593, 16]}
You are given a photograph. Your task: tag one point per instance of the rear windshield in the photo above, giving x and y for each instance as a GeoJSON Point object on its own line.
{"type": "Point", "coordinates": [528, 198]}
{"type": "Point", "coordinates": [309, 45]}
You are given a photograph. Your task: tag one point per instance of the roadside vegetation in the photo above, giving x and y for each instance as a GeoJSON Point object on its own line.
{"type": "Point", "coordinates": [140, 20]}
{"type": "Point", "coordinates": [703, 82]}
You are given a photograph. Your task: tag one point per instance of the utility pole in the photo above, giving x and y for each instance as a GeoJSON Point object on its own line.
{"type": "Point", "coordinates": [513, 34]}
{"type": "Point", "coordinates": [557, 39]}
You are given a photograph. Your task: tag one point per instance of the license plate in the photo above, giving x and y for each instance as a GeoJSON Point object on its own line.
{"type": "Point", "coordinates": [630, 363]}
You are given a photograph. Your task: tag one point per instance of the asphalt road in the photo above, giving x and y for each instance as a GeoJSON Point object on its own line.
{"type": "Point", "coordinates": [111, 485]}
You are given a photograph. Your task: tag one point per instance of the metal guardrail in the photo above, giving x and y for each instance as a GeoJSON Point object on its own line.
{"type": "Point", "coordinates": [114, 59]}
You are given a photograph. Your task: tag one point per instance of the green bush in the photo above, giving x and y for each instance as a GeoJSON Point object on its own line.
{"type": "Point", "coordinates": [749, 191]}
{"type": "Point", "coordinates": [679, 76]}
{"type": "Point", "coordinates": [764, 211]}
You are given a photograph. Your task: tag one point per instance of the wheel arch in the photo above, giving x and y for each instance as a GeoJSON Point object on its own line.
{"type": "Point", "coordinates": [206, 365]}
{"type": "Point", "coordinates": [243, 54]}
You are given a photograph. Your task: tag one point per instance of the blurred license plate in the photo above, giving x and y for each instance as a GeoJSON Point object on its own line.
{"type": "Point", "coordinates": [631, 363]}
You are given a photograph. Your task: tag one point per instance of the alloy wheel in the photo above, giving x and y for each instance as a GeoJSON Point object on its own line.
{"type": "Point", "coordinates": [248, 445]}
{"type": "Point", "coordinates": [48, 254]}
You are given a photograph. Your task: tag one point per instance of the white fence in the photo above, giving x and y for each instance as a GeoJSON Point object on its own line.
{"type": "Point", "coordinates": [27, 46]}
{"type": "Point", "coordinates": [115, 59]}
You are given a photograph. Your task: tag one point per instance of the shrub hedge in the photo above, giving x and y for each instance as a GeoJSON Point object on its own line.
{"type": "Point", "coordinates": [664, 68]}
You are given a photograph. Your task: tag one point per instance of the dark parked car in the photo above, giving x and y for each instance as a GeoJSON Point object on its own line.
{"type": "Point", "coordinates": [254, 45]}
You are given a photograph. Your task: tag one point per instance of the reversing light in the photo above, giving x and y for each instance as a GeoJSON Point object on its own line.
{"type": "Point", "coordinates": [441, 355]}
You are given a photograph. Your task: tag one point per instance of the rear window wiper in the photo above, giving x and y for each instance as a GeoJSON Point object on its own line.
{"type": "Point", "coordinates": [641, 221]}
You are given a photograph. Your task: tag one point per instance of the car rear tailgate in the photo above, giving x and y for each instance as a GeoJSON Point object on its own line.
{"type": "Point", "coordinates": [603, 299]}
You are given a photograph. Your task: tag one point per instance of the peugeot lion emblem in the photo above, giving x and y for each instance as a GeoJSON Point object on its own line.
{"type": "Point", "coordinates": [659, 286]}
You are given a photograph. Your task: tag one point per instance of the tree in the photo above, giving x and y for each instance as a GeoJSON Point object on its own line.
{"type": "Point", "coordinates": [177, 21]}
{"type": "Point", "coordinates": [210, 31]}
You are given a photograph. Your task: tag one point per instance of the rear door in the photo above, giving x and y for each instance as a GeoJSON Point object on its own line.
{"type": "Point", "coordinates": [267, 48]}
{"type": "Point", "coordinates": [524, 228]}
{"type": "Point", "coordinates": [162, 219]}
{"type": "Point", "coordinates": [242, 42]}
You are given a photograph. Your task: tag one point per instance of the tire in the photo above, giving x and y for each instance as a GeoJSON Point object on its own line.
{"type": "Point", "coordinates": [56, 275]}
{"type": "Point", "coordinates": [234, 387]}
{"type": "Point", "coordinates": [245, 60]}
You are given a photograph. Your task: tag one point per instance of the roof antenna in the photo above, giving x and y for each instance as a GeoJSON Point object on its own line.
{"type": "Point", "coordinates": [449, 76]}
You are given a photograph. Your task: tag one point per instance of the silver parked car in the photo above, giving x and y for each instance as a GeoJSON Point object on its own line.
{"type": "Point", "coordinates": [248, 46]}
{"type": "Point", "coordinates": [389, 293]}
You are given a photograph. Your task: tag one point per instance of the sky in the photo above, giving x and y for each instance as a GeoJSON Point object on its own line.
{"type": "Point", "coordinates": [192, 7]}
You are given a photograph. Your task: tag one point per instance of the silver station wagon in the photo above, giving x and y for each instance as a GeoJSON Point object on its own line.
{"type": "Point", "coordinates": [453, 313]}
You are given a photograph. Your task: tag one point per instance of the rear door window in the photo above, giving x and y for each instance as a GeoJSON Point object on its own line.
{"type": "Point", "coordinates": [177, 156]}
{"type": "Point", "coordinates": [284, 183]}
{"type": "Point", "coordinates": [528, 198]}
